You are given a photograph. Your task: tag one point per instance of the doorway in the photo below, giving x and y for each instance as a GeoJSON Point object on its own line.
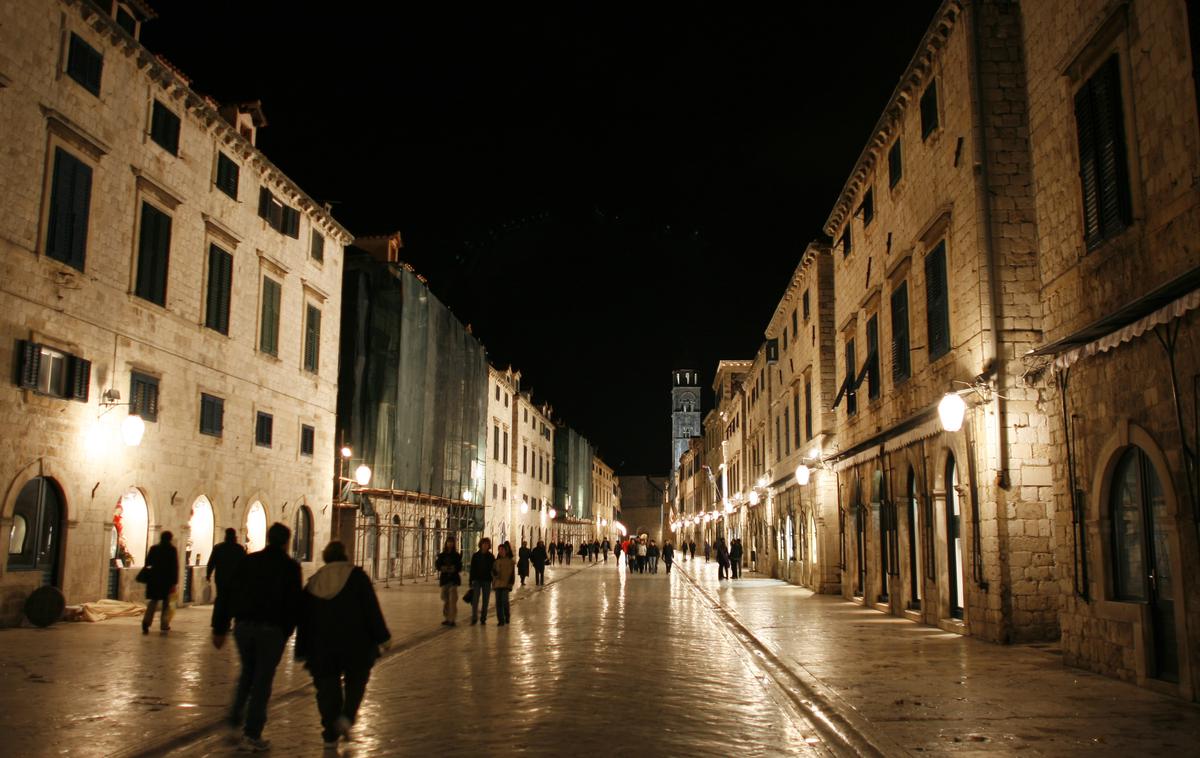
{"type": "Point", "coordinates": [954, 551]}
{"type": "Point", "coordinates": [35, 539]}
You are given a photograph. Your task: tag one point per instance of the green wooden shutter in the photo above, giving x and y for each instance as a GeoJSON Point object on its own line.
{"type": "Point", "coordinates": [80, 378]}
{"type": "Point", "coordinates": [1110, 149]}
{"type": "Point", "coordinates": [154, 246]}
{"type": "Point", "coordinates": [70, 198]}
{"type": "Point", "coordinates": [312, 339]}
{"type": "Point", "coordinates": [269, 332]}
{"type": "Point", "coordinates": [937, 311]}
{"type": "Point", "coordinates": [900, 351]}
{"type": "Point", "coordinates": [220, 274]}
{"type": "Point", "coordinates": [1089, 177]}
{"type": "Point", "coordinates": [31, 364]}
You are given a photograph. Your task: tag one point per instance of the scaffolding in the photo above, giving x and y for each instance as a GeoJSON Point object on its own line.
{"type": "Point", "coordinates": [398, 534]}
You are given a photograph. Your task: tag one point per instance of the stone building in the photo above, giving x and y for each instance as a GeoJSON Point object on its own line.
{"type": "Point", "coordinates": [604, 486]}
{"type": "Point", "coordinates": [1116, 151]}
{"type": "Point", "coordinates": [935, 259]}
{"type": "Point", "coordinates": [532, 486]}
{"type": "Point", "coordinates": [798, 431]}
{"type": "Point", "coordinates": [499, 515]}
{"type": "Point", "coordinates": [161, 280]}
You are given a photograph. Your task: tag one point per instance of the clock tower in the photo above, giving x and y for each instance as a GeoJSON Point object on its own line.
{"type": "Point", "coordinates": [685, 412]}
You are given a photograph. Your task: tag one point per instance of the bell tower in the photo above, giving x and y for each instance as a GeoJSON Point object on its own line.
{"type": "Point", "coordinates": [685, 412]}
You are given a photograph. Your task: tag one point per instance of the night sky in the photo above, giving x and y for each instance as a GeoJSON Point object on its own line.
{"type": "Point", "coordinates": [603, 194]}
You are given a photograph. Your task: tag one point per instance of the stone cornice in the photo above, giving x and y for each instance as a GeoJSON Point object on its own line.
{"type": "Point", "coordinates": [881, 135]}
{"type": "Point", "coordinates": [794, 288]}
{"type": "Point", "coordinates": [202, 108]}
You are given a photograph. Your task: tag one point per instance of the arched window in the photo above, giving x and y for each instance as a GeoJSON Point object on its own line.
{"type": "Point", "coordinates": [131, 520]}
{"type": "Point", "coordinates": [36, 532]}
{"type": "Point", "coordinates": [395, 537]}
{"type": "Point", "coordinates": [423, 544]}
{"type": "Point", "coordinates": [954, 550]}
{"type": "Point", "coordinates": [200, 532]}
{"type": "Point", "coordinates": [302, 535]}
{"type": "Point", "coordinates": [256, 527]}
{"type": "Point", "coordinates": [912, 509]}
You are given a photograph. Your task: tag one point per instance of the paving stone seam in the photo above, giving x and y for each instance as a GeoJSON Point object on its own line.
{"type": "Point", "coordinates": [844, 729]}
{"type": "Point", "coordinates": [195, 733]}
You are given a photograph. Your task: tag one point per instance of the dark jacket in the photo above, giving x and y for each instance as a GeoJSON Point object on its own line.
{"type": "Point", "coordinates": [735, 552]}
{"type": "Point", "coordinates": [481, 566]}
{"type": "Point", "coordinates": [163, 564]}
{"type": "Point", "coordinates": [722, 554]}
{"type": "Point", "coordinates": [341, 626]}
{"type": "Point", "coordinates": [449, 566]}
{"type": "Point", "coordinates": [539, 557]}
{"type": "Point", "coordinates": [267, 588]}
{"type": "Point", "coordinates": [668, 553]}
{"type": "Point", "coordinates": [523, 561]}
{"type": "Point", "coordinates": [224, 562]}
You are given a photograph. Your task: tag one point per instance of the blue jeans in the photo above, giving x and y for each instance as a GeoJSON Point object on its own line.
{"type": "Point", "coordinates": [482, 591]}
{"type": "Point", "coordinates": [502, 614]}
{"type": "Point", "coordinates": [260, 646]}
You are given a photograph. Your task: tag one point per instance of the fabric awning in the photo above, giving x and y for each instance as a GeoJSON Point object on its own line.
{"type": "Point", "coordinates": [1159, 306]}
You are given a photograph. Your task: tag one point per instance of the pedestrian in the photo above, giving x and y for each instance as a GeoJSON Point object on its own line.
{"type": "Point", "coordinates": [568, 550]}
{"type": "Point", "coordinates": [539, 559]}
{"type": "Point", "coordinates": [668, 554]}
{"type": "Point", "coordinates": [707, 551]}
{"type": "Point", "coordinates": [631, 555]}
{"type": "Point", "coordinates": [561, 546]}
{"type": "Point", "coordinates": [339, 637]}
{"type": "Point", "coordinates": [652, 556]}
{"type": "Point", "coordinates": [523, 562]}
{"type": "Point", "coordinates": [692, 549]}
{"type": "Point", "coordinates": [722, 559]}
{"type": "Point", "coordinates": [604, 548]}
{"type": "Point", "coordinates": [266, 606]}
{"type": "Point", "coordinates": [596, 551]}
{"type": "Point", "coordinates": [162, 577]}
{"type": "Point", "coordinates": [643, 552]}
{"type": "Point", "coordinates": [735, 558]}
{"type": "Point", "coordinates": [481, 580]}
{"type": "Point", "coordinates": [503, 576]}
{"type": "Point", "coordinates": [223, 562]}
{"type": "Point", "coordinates": [449, 566]}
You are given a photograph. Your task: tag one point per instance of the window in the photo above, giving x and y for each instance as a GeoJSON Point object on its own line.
{"type": "Point", "coordinates": [84, 64]}
{"type": "Point", "coordinates": [867, 208]}
{"type": "Point", "coordinates": [220, 282]}
{"type": "Point", "coordinates": [154, 252]}
{"type": "Point", "coordinates": [264, 425]}
{"type": "Point", "coordinates": [1103, 171]}
{"type": "Point", "coordinates": [505, 399]}
{"type": "Point", "coordinates": [524, 459]}
{"type": "Point", "coordinates": [495, 490]}
{"type": "Point", "coordinates": [929, 109]}
{"type": "Point", "coordinates": [126, 21]}
{"type": "Point", "coordinates": [497, 391]}
{"type": "Point", "coordinates": [280, 217]}
{"type": "Point", "coordinates": [787, 431]}
{"type": "Point", "coordinates": [937, 306]}
{"type": "Point", "coordinates": [895, 164]}
{"type": "Point", "coordinates": [143, 396]}
{"type": "Point", "coordinates": [785, 344]}
{"type": "Point", "coordinates": [268, 337]}
{"type": "Point", "coordinates": [302, 540]}
{"type": "Point", "coordinates": [70, 199]}
{"type": "Point", "coordinates": [795, 328]}
{"type": "Point", "coordinates": [227, 175]}
{"type": "Point", "coordinates": [212, 415]}
{"type": "Point", "coordinates": [317, 249]}
{"type": "Point", "coordinates": [778, 441]}
{"type": "Point", "coordinates": [164, 128]}
{"type": "Point", "coordinates": [845, 241]}
{"type": "Point", "coordinates": [796, 413]}
{"type": "Point", "coordinates": [851, 399]}
{"type": "Point", "coordinates": [504, 453]}
{"type": "Point", "coordinates": [901, 366]}
{"type": "Point", "coordinates": [53, 372]}
{"type": "Point", "coordinates": [495, 442]}
{"type": "Point", "coordinates": [808, 411]}
{"type": "Point", "coordinates": [805, 306]}
{"type": "Point", "coordinates": [308, 439]}
{"type": "Point", "coordinates": [872, 367]}
{"type": "Point", "coordinates": [312, 338]}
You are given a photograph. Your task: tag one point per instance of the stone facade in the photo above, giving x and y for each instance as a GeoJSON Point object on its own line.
{"type": "Point", "coordinates": [499, 515]}
{"type": "Point", "coordinates": [604, 491]}
{"type": "Point", "coordinates": [116, 197]}
{"type": "Point", "coordinates": [1130, 603]}
{"type": "Point", "coordinates": [533, 469]}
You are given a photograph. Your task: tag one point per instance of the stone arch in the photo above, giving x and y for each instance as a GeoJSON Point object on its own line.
{"type": "Point", "coordinates": [133, 537]}
{"type": "Point", "coordinates": [255, 520]}
{"type": "Point", "coordinates": [202, 527]}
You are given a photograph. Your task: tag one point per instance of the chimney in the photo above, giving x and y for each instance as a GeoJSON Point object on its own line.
{"type": "Point", "coordinates": [247, 118]}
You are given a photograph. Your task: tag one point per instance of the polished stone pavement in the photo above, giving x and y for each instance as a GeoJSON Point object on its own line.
{"type": "Point", "coordinates": [600, 663]}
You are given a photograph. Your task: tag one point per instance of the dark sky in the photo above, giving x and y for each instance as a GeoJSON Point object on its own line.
{"type": "Point", "coordinates": [602, 193]}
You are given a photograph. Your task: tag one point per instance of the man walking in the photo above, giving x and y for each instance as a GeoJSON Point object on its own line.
{"type": "Point", "coordinates": [223, 562]}
{"type": "Point", "coordinates": [481, 580]}
{"type": "Point", "coordinates": [267, 593]}
{"type": "Point", "coordinates": [449, 566]}
{"type": "Point", "coordinates": [604, 548]}
{"type": "Point", "coordinates": [735, 559]}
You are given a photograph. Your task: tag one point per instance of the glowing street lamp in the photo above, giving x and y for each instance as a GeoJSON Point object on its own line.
{"type": "Point", "coordinates": [362, 475]}
{"type": "Point", "coordinates": [802, 474]}
{"type": "Point", "coordinates": [524, 507]}
{"type": "Point", "coordinates": [951, 410]}
{"type": "Point", "coordinates": [132, 429]}
{"type": "Point", "coordinates": [347, 452]}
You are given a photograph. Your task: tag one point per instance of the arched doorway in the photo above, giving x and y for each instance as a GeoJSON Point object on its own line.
{"type": "Point", "coordinates": [860, 541]}
{"type": "Point", "coordinates": [200, 532]}
{"type": "Point", "coordinates": [912, 508]}
{"type": "Point", "coordinates": [256, 527]}
{"type": "Point", "coordinates": [880, 508]}
{"type": "Point", "coordinates": [35, 539]}
{"type": "Point", "coordinates": [1141, 551]}
{"type": "Point", "coordinates": [131, 524]}
{"type": "Point", "coordinates": [302, 535]}
{"type": "Point", "coordinates": [954, 551]}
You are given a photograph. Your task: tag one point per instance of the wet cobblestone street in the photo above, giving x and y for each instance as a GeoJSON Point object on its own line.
{"type": "Point", "coordinates": [600, 663]}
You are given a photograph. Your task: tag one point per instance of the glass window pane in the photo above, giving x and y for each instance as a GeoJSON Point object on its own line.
{"type": "Point", "coordinates": [1129, 569]}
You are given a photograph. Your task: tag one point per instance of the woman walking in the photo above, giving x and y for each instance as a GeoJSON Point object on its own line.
{"type": "Point", "coordinates": [502, 582]}
{"type": "Point", "coordinates": [668, 554]}
{"type": "Point", "coordinates": [162, 576]}
{"type": "Point", "coordinates": [340, 632]}
{"type": "Point", "coordinates": [722, 559]}
{"type": "Point", "coordinates": [539, 558]}
{"type": "Point", "coordinates": [449, 566]}
{"type": "Point", "coordinates": [481, 580]}
{"type": "Point", "coordinates": [523, 562]}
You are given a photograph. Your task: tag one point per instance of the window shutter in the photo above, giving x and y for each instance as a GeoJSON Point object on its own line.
{"type": "Point", "coordinates": [269, 342]}
{"type": "Point", "coordinates": [81, 198]}
{"type": "Point", "coordinates": [264, 202]}
{"type": "Point", "coordinates": [220, 277]}
{"type": "Point", "coordinates": [81, 378]}
{"type": "Point", "coordinates": [153, 253]}
{"type": "Point", "coordinates": [900, 350]}
{"type": "Point", "coordinates": [312, 339]}
{"type": "Point", "coordinates": [291, 222]}
{"type": "Point", "coordinates": [1085, 124]}
{"type": "Point", "coordinates": [31, 364]}
{"type": "Point", "coordinates": [1110, 158]}
{"type": "Point", "coordinates": [936, 302]}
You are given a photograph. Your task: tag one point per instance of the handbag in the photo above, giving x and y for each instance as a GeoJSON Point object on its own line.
{"type": "Point", "coordinates": [143, 576]}
{"type": "Point", "coordinates": [469, 596]}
